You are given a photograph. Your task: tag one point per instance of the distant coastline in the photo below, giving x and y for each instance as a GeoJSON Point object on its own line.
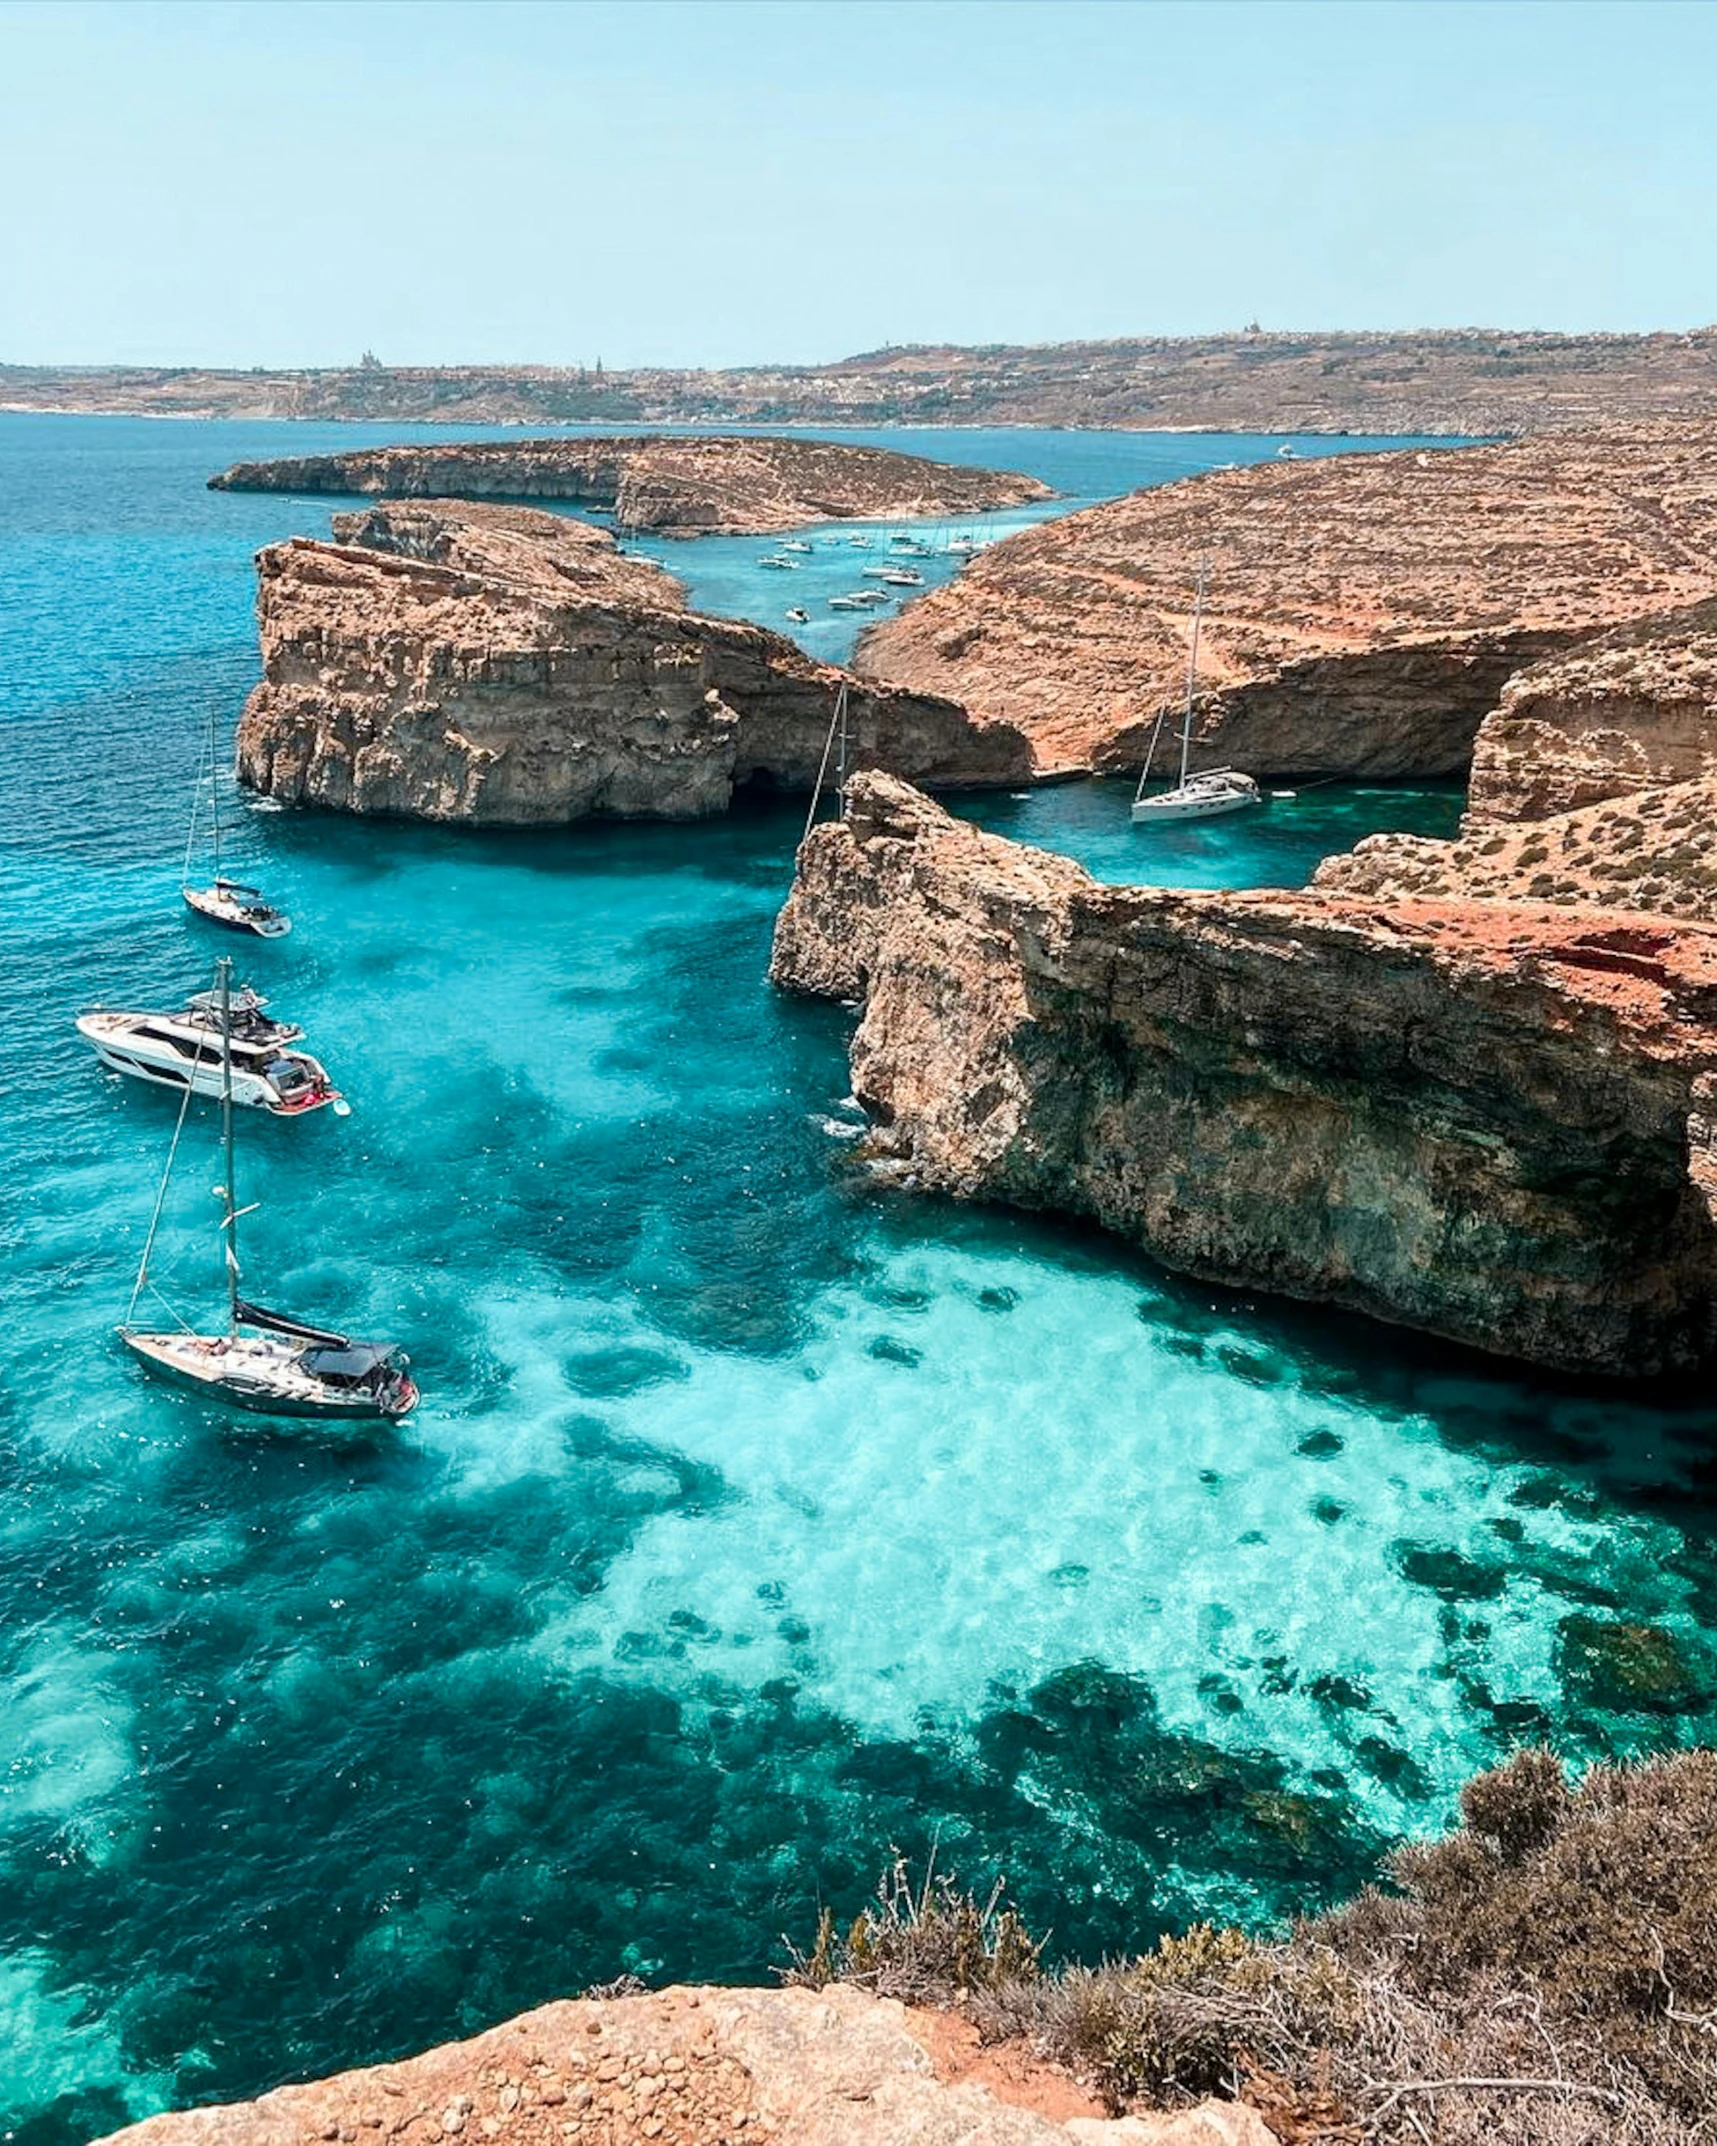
{"type": "Point", "coordinates": [1458, 382]}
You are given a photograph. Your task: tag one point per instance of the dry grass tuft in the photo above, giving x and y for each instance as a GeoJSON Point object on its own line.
{"type": "Point", "coordinates": [1545, 1975]}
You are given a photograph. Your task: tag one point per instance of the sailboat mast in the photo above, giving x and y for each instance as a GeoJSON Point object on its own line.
{"type": "Point", "coordinates": [841, 784]}
{"type": "Point", "coordinates": [1192, 667]}
{"type": "Point", "coordinates": [215, 792]}
{"type": "Point", "coordinates": [229, 1227]}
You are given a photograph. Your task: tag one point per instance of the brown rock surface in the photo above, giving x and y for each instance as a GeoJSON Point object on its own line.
{"type": "Point", "coordinates": [1364, 612]}
{"type": "Point", "coordinates": [1635, 709]}
{"type": "Point", "coordinates": [685, 2067]}
{"type": "Point", "coordinates": [1655, 852]}
{"type": "Point", "coordinates": [676, 486]}
{"type": "Point", "coordinates": [505, 666]}
{"type": "Point", "coordinates": [1489, 1121]}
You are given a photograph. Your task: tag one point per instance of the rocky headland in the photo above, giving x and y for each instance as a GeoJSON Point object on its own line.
{"type": "Point", "coordinates": [508, 667]}
{"type": "Point", "coordinates": [706, 2067]}
{"type": "Point", "coordinates": [1490, 1121]}
{"type": "Point", "coordinates": [1474, 382]}
{"type": "Point", "coordinates": [1594, 779]}
{"type": "Point", "coordinates": [1364, 613]}
{"type": "Point", "coordinates": [675, 486]}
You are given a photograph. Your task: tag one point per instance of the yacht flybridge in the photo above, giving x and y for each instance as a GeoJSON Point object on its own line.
{"type": "Point", "coordinates": [188, 1050]}
{"type": "Point", "coordinates": [1196, 797]}
{"type": "Point", "coordinates": [266, 1362]}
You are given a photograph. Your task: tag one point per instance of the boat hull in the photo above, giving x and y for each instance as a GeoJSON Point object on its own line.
{"type": "Point", "coordinates": [260, 1378]}
{"type": "Point", "coordinates": [257, 919]}
{"type": "Point", "coordinates": [249, 1089]}
{"type": "Point", "coordinates": [1155, 811]}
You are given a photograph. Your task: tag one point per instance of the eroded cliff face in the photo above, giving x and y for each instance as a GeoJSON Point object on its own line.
{"type": "Point", "coordinates": [1632, 710]}
{"type": "Point", "coordinates": [1364, 613]}
{"type": "Point", "coordinates": [703, 2067]}
{"type": "Point", "coordinates": [1489, 1122]}
{"type": "Point", "coordinates": [676, 486]}
{"type": "Point", "coordinates": [507, 667]}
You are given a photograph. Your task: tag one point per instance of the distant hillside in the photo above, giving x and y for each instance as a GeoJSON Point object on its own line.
{"type": "Point", "coordinates": [1470, 381]}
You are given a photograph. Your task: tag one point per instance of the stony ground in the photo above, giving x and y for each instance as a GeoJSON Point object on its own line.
{"type": "Point", "coordinates": [712, 2067]}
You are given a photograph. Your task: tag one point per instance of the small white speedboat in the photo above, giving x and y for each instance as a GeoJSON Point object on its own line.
{"type": "Point", "coordinates": [799, 616]}
{"type": "Point", "coordinates": [847, 603]}
{"type": "Point", "coordinates": [240, 908]}
{"type": "Point", "coordinates": [792, 544]}
{"type": "Point", "coordinates": [1199, 797]}
{"type": "Point", "coordinates": [904, 577]}
{"type": "Point", "coordinates": [184, 1050]}
{"type": "Point", "coordinates": [780, 564]}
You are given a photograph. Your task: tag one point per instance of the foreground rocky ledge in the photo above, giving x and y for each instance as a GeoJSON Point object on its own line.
{"type": "Point", "coordinates": [678, 487]}
{"type": "Point", "coordinates": [507, 667]}
{"type": "Point", "coordinates": [1364, 612]}
{"type": "Point", "coordinates": [1489, 1121]}
{"type": "Point", "coordinates": [702, 2068]}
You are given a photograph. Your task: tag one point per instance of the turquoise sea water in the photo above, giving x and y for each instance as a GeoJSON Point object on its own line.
{"type": "Point", "coordinates": [754, 1522]}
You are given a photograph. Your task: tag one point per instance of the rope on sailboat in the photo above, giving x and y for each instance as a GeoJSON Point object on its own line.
{"type": "Point", "coordinates": [155, 1218]}
{"type": "Point", "coordinates": [196, 812]}
{"type": "Point", "coordinates": [837, 722]}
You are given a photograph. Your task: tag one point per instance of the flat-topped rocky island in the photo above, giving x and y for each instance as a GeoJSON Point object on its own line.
{"type": "Point", "coordinates": [674, 485]}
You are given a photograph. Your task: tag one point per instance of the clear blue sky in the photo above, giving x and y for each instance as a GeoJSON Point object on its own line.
{"type": "Point", "coordinates": [289, 181]}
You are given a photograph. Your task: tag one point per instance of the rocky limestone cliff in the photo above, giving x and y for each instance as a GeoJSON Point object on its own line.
{"type": "Point", "coordinates": [509, 667]}
{"type": "Point", "coordinates": [676, 486]}
{"type": "Point", "coordinates": [708, 2067]}
{"type": "Point", "coordinates": [1634, 709]}
{"type": "Point", "coordinates": [1364, 613]}
{"type": "Point", "coordinates": [1491, 1122]}
{"type": "Point", "coordinates": [1655, 852]}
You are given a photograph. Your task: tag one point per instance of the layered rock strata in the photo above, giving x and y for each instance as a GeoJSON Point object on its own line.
{"type": "Point", "coordinates": [676, 486]}
{"type": "Point", "coordinates": [1490, 1122]}
{"type": "Point", "coordinates": [1632, 710]}
{"type": "Point", "coordinates": [687, 2067]}
{"type": "Point", "coordinates": [1594, 780]}
{"type": "Point", "coordinates": [1363, 614]}
{"type": "Point", "coordinates": [508, 667]}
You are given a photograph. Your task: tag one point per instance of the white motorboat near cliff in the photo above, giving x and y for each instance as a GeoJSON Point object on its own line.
{"type": "Point", "coordinates": [184, 1050]}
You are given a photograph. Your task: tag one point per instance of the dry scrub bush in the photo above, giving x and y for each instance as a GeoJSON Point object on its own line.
{"type": "Point", "coordinates": [1546, 1975]}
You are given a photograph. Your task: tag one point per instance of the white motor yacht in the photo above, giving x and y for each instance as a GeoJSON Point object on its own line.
{"type": "Point", "coordinates": [183, 1050]}
{"type": "Point", "coordinates": [781, 564]}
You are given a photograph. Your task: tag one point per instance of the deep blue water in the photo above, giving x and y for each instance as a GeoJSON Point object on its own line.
{"type": "Point", "coordinates": [754, 1522]}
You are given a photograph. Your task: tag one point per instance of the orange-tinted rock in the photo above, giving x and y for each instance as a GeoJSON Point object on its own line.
{"type": "Point", "coordinates": [677, 486]}
{"type": "Point", "coordinates": [508, 667]}
{"type": "Point", "coordinates": [1633, 710]}
{"type": "Point", "coordinates": [1364, 612]}
{"type": "Point", "coordinates": [709, 2067]}
{"type": "Point", "coordinates": [1476, 1119]}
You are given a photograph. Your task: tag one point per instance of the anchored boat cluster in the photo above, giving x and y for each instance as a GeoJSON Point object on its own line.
{"type": "Point", "coordinates": [225, 1044]}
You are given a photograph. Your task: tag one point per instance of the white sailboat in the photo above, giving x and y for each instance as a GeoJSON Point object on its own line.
{"type": "Point", "coordinates": [265, 1362]}
{"type": "Point", "coordinates": [225, 901]}
{"type": "Point", "coordinates": [1195, 797]}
